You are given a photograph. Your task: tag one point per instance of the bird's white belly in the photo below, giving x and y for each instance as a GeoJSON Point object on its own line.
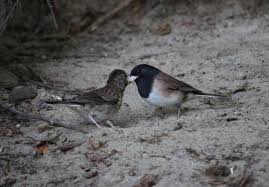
{"type": "Point", "coordinates": [157, 99]}
{"type": "Point", "coordinates": [99, 112]}
{"type": "Point", "coordinates": [103, 112]}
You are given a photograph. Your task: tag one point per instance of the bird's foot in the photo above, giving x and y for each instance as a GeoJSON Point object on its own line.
{"type": "Point", "coordinates": [94, 122]}
{"type": "Point", "coordinates": [180, 118]}
{"type": "Point", "coordinates": [160, 113]}
{"type": "Point", "coordinates": [37, 105]}
{"type": "Point", "coordinates": [179, 113]}
{"type": "Point", "coordinates": [110, 124]}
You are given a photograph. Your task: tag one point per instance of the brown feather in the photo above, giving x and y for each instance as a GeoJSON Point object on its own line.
{"type": "Point", "coordinates": [169, 83]}
{"type": "Point", "coordinates": [110, 94]}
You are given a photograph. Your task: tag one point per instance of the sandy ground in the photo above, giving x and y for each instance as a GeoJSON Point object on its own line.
{"type": "Point", "coordinates": [225, 49]}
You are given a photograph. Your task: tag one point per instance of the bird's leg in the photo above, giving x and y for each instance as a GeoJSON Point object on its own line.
{"type": "Point", "coordinates": [85, 115]}
{"type": "Point", "coordinates": [179, 119]}
{"type": "Point", "coordinates": [97, 125]}
{"type": "Point", "coordinates": [160, 112]}
{"type": "Point", "coordinates": [110, 124]}
{"type": "Point", "coordinates": [178, 112]}
{"type": "Point", "coordinates": [34, 106]}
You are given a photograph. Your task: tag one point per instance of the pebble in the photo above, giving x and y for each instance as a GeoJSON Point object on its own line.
{"type": "Point", "coordinates": [213, 162]}
{"type": "Point", "coordinates": [178, 127]}
{"type": "Point", "coordinates": [90, 175]}
{"type": "Point", "coordinates": [34, 153]}
{"type": "Point", "coordinates": [1, 148]}
{"type": "Point", "coordinates": [210, 157]}
{"type": "Point", "coordinates": [20, 93]}
{"type": "Point", "coordinates": [43, 126]}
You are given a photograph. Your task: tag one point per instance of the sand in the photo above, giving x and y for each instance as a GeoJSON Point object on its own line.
{"type": "Point", "coordinates": [213, 47]}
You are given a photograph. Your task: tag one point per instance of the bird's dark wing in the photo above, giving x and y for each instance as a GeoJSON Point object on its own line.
{"type": "Point", "coordinates": [173, 84]}
{"type": "Point", "coordinates": [96, 97]}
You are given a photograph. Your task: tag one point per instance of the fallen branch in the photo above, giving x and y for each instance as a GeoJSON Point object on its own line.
{"type": "Point", "coordinates": [110, 14]}
{"type": "Point", "coordinates": [51, 87]}
{"type": "Point", "coordinates": [6, 12]}
{"type": "Point", "coordinates": [51, 6]}
{"type": "Point", "coordinates": [57, 123]}
{"type": "Point", "coordinates": [67, 147]}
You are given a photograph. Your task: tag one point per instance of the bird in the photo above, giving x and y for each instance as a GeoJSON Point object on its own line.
{"type": "Point", "coordinates": [160, 89]}
{"type": "Point", "coordinates": [100, 104]}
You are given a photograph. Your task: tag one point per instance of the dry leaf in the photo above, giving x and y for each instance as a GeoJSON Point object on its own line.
{"type": "Point", "coordinates": [162, 29]}
{"type": "Point", "coordinates": [147, 180]}
{"type": "Point", "coordinates": [42, 148]}
{"type": "Point", "coordinates": [95, 144]}
{"type": "Point", "coordinates": [136, 6]}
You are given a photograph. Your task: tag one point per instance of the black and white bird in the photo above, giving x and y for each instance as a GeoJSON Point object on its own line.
{"type": "Point", "coordinates": [160, 89]}
{"type": "Point", "coordinates": [101, 104]}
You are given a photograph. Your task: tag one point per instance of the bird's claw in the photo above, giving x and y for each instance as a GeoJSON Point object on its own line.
{"type": "Point", "coordinates": [110, 124]}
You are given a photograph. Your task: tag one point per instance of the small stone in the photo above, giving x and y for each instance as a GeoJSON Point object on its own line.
{"type": "Point", "coordinates": [20, 93]}
{"type": "Point", "coordinates": [18, 126]}
{"type": "Point", "coordinates": [52, 138]}
{"type": "Point", "coordinates": [43, 126]}
{"type": "Point", "coordinates": [178, 127]}
{"type": "Point", "coordinates": [213, 162]}
{"type": "Point", "coordinates": [104, 134]}
{"type": "Point", "coordinates": [34, 153]}
{"type": "Point", "coordinates": [87, 169]}
{"type": "Point", "coordinates": [223, 114]}
{"type": "Point", "coordinates": [90, 175]}
{"type": "Point", "coordinates": [43, 56]}
{"type": "Point", "coordinates": [113, 152]}
{"type": "Point", "coordinates": [1, 148]}
{"type": "Point", "coordinates": [7, 79]}
{"type": "Point", "coordinates": [231, 119]}
{"type": "Point", "coordinates": [210, 157]}
{"type": "Point", "coordinates": [132, 172]}
{"type": "Point", "coordinates": [146, 180]}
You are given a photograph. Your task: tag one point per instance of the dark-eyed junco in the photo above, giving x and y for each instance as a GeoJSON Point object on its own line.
{"type": "Point", "coordinates": [100, 104]}
{"type": "Point", "coordinates": [161, 89]}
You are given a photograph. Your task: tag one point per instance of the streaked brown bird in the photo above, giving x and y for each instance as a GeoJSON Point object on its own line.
{"type": "Point", "coordinates": [101, 104]}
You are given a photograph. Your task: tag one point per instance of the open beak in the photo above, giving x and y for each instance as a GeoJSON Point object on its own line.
{"type": "Point", "coordinates": [132, 78]}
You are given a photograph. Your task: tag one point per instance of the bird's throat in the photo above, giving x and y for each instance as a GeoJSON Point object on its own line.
{"type": "Point", "coordinates": [144, 86]}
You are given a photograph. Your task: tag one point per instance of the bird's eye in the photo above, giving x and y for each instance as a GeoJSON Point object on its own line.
{"type": "Point", "coordinates": [137, 72]}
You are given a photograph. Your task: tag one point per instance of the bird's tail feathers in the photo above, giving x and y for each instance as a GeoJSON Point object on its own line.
{"type": "Point", "coordinates": [60, 102]}
{"type": "Point", "coordinates": [215, 95]}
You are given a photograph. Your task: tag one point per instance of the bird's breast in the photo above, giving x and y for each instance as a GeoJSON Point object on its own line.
{"type": "Point", "coordinates": [160, 99]}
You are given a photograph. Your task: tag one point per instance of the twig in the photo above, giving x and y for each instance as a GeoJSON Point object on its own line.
{"type": "Point", "coordinates": [6, 13]}
{"type": "Point", "coordinates": [51, 7]}
{"type": "Point", "coordinates": [48, 86]}
{"type": "Point", "coordinates": [59, 180]}
{"type": "Point", "coordinates": [110, 14]}
{"type": "Point", "coordinates": [37, 117]}
{"type": "Point", "coordinates": [19, 113]}
{"type": "Point", "coordinates": [67, 147]}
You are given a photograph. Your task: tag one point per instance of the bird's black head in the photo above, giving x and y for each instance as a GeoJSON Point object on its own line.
{"type": "Point", "coordinates": [143, 75]}
{"type": "Point", "coordinates": [118, 77]}
{"type": "Point", "coordinates": [142, 71]}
